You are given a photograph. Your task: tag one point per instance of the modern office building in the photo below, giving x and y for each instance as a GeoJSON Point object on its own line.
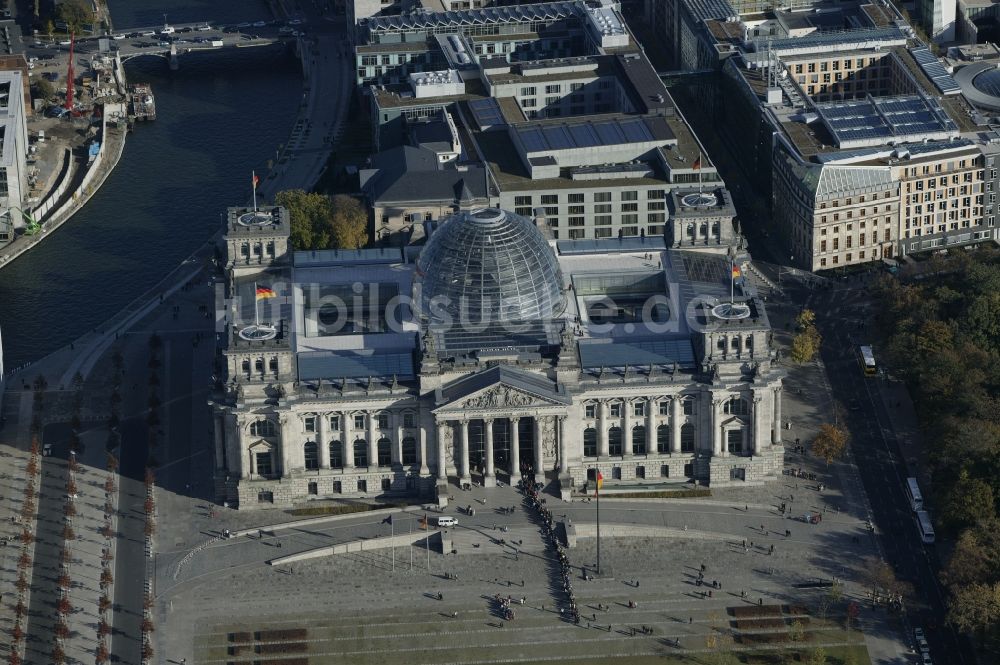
{"type": "Point", "coordinates": [859, 134]}
{"type": "Point", "coordinates": [555, 101]}
{"type": "Point", "coordinates": [13, 153]}
{"type": "Point", "coordinates": [493, 352]}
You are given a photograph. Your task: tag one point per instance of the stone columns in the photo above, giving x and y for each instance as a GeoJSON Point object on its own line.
{"type": "Point", "coordinates": [463, 469]}
{"type": "Point", "coordinates": [218, 439]}
{"type": "Point", "coordinates": [650, 426]}
{"type": "Point", "coordinates": [717, 445]}
{"type": "Point", "coordinates": [287, 445]}
{"type": "Point", "coordinates": [626, 428]}
{"type": "Point", "coordinates": [397, 445]}
{"type": "Point", "coordinates": [675, 424]}
{"type": "Point", "coordinates": [776, 426]}
{"type": "Point", "coordinates": [422, 452]}
{"type": "Point", "coordinates": [756, 428]}
{"type": "Point", "coordinates": [372, 440]}
{"type": "Point", "coordinates": [489, 473]}
{"type": "Point", "coordinates": [515, 452]}
{"type": "Point", "coordinates": [238, 451]}
{"type": "Point", "coordinates": [602, 430]}
{"type": "Point", "coordinates": [539, 452]}
{"type": "Point", "coordinates": [442, 463]}
{"type": "Point", "coordinates": [323, 440]}
{"type": "Point", "coordinates": [346, 433]}
{"type": "Point", "coordinates": [563, 447]}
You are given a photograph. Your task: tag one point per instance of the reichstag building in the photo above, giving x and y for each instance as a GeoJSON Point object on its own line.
{"type": "Point", "coordinates": [491, 352]}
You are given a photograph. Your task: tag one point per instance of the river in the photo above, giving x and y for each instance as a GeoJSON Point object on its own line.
{"type": "Point", "coordinates": [219, 117]}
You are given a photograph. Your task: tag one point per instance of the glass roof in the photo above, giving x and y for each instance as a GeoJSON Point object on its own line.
{"type": "Point", "coordinates": [488, 265]}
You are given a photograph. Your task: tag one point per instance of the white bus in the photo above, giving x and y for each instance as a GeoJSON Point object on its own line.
{"type": "Point", "coordinates": [914, 495]}
{"type": "Point", "coordinates": [925, 526]}
{"type": "Point", "coordinates": [867, 359]}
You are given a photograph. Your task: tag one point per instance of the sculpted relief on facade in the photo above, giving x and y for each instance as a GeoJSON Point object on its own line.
{"type": "Point", "coordinates": [499, 397]}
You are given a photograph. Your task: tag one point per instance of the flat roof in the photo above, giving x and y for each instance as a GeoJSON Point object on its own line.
{"type": "Point", "coordinates": [334, 365]}
{"type": "Point", "coordinates": [876, 120]}
{"type": "Point", "coordinates": [505, 165]}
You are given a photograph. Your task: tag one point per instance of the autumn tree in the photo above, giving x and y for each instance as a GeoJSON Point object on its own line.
{"type": "Point", "coordinates": [75, 14]}
{"type": "Point", "coordinates": [830, 443]}
{"type": "Point", "coordinates": [806, 343]}
{"type": "Point", "coordinates": [349, 223]}
{"type": "Point", "coordinates": [967, 501]}
{"type": "Point", "coordinates": [309, 218]}
{"type": "Point", "coordinates": [976, 608]}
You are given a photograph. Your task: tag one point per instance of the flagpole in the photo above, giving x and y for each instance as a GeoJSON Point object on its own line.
{"type": "Point", "coordinates": [699, 173]}
{"type": "Point", "coordinates": [392, 536]}
{"type": "Point", "coordinates": [256, 317]}
{"type": "Point", "coordinates": [427, 540]}
{"type": "Point", "coordinates": [732, 281]}
{"type": "Point", "coordinates": [253, 181]}
{"type": "Point", "coordinates": [410, 539]}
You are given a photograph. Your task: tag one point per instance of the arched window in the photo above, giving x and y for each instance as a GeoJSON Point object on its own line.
{"type": "Point", "coordinates": [639, 440]}
{"type": "Point", "coordinates": [311, 453]}
{"type": "Point", "coordinates": [615, 441]}
{"type": "Point", "coordinates": [737, 406]}
{"type": "Point", "coordinates": [336, 455]}
{"type": "Point", "coordinates": [262, 428]}
{"type": "Point", "coordinates": [360, 452]}
{"type": "Point", "coordinates": [687, 438]}
{"type": "Point", "coordinates": [384, 452]}
{"type": "Point", "coordinates": [409, 450]}
{"type": "Point", "coordinates": [590, 442]}
{"type": "Point", "coordinates": [663, 439]}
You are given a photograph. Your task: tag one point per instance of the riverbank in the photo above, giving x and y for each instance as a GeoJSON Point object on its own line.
{"type": "Point", "coordinates": [58, 207]}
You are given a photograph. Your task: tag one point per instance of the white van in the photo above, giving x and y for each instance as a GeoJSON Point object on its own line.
{"type": "Point", "coordinates": [447, 521]}
{"type": "Point", "coordinates": [168, 30]}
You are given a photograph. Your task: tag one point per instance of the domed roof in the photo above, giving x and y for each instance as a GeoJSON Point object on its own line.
{"type": "Point", "coordinates": [489, 265]}
{"type": "Point", "coordinates": [988, 82]}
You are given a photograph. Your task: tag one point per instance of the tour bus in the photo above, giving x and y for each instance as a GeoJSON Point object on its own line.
{"type": "Point", "coordinates": [925, 526]}
{"type": "Point", "coordinates": [867, 360]}
{"type": "Point", "coordinates": [914, 495]}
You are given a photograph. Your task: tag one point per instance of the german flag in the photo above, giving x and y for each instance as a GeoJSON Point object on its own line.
{"type": "Point", "coordinates": [264, 292]}
{"type": "Point", "coordinates": [736, 271]}
{"type": "Point", "coordinates": [600, 481]}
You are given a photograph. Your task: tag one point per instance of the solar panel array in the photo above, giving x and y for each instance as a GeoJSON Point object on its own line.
{"type": "Point", "coordinates": [662, 352]}
{"type": "Point", "coordinates": [875, 119]}
{"type": "Point", "coordinates": [935, 71]}
{"type": "Point", "coordinates": [330, 365]}
{"type": "Point", "coordinates": [486, 112]}
{"type": "Point", "coordinates": [543, 138]}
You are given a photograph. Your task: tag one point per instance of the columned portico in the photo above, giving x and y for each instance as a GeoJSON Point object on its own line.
{"type": "Point", "coordinates": [323, 440]}
{"type": "Point", "coordinates": [489, 472]}
{"type": "Point", "coordinates": [463, 453]}
{"type": "Point", "coordinates": [602, 430]}
{"type": "Point", "coordinates": [442, 460]}
{"type": "Point", "coordinates": [776, 423]}
{"type": "Point", "coordinates": [515, 451]}
{"type": "Point", "coordinates": [675, 425]}
{"type": "Point", "coordinates": [627, 429]}
{"type": "Point", "coordinates": [346, 440]}
{"type": "Point", "coordinates": [650, 426]}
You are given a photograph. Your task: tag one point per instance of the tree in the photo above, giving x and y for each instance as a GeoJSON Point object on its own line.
{"type": "Point", "coordinates": [106, 578]}
{"type": "Point", "coordinates": [805, 319]}
{"type": "Point", "coordinates": [42, 88]}
{"type": "Point", "coordinates": [830, 443]}
{"type": "Point", "coordinates": [796, 633]}
{"type": "Point", "coordinates": [75, 13]}
{"type": "Point", "coordinates": [817, 656]}
{"type": "Point", "coordinates": [101, 655]}
{"type": "Point", "coordinates": [968, 501]}
{"type": "Point", "coordinates": [349, 224]}
{"type": "Point", "coordinates": [309, 216]}
{"type": "Point", "coordinates": [976, 555]}
{"type": "Point", "coordinates": [975, 608]}
{"type": "Point", "coordinates": [103, 603]}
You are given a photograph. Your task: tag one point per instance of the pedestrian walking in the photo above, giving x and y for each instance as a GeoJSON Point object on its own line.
{"type": "Point", "coordinates": [690, 620]}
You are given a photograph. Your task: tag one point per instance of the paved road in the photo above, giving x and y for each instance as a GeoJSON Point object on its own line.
{"type": "Point", "coordinates": [842, 316]}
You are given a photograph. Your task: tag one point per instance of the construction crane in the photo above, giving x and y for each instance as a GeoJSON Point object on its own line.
{"type": "Point", "coordinates": [70, 75]}
{"type": "Point", "coordinates": [32, 226]}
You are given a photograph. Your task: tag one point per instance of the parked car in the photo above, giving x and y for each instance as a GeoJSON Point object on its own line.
{"type": "Point", "coordinates": [259, 24]}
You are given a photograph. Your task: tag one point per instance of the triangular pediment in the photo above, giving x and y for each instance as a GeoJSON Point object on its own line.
{"type": "Point", "coordinates": [500, 388]}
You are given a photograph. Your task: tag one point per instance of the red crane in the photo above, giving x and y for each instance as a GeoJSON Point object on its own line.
{"type": "Point", "coordinates": [69, 75]}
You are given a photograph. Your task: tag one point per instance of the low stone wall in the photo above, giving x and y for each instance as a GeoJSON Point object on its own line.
{"type": "Point", "coordinates": [438, 540]}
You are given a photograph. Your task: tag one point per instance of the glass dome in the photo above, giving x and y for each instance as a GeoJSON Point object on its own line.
{"type": "Point", "coordinates": [988, 82]}
{"type": "Point", "coordinates": [488, 265]}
